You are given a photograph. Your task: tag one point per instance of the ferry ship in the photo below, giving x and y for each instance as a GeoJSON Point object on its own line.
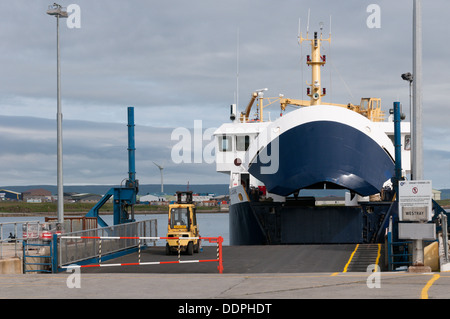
{"type": "Point", "coordinates": [318, 145]}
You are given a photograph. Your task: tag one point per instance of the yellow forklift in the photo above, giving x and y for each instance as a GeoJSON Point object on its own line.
{"type": "Point", "coordinates": [183, 223]}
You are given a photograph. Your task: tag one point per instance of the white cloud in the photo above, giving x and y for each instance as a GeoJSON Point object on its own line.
{"type": "Point", "coordinates": [176, 62]}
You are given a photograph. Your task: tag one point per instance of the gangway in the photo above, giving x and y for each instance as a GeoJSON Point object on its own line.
{"type": "Point", "coordinates": [364, 257]}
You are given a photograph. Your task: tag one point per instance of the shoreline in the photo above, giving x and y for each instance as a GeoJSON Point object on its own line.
{"type": "Point", "coordinates": [78, 214]}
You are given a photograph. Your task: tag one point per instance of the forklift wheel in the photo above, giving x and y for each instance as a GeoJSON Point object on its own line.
{"type": "Point", "coordinates": [190, 248]}
{"type": "Point", "coordinates": [168, 252]}
{"type": "Point", "coordinates": [196, 247]}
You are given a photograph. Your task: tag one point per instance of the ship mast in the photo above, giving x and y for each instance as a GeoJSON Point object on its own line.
{"type": "Point", "coordinates": [368, 107]}
{"type": "Point", "coordinates": [316, 60]}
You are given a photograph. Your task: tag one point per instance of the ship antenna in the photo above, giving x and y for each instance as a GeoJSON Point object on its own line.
{"type": "Point", "coordinates": [237, 70]}
{"type": "Point", "coordinates": [307, 24]}
{"type": "Point", "coordinates": [330, 26]}
{"type": "Point", "coordinates": [299, 38]}
{"type": "Point", "coordinates": [331, 83]}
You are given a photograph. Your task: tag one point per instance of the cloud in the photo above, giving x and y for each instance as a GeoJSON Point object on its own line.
{"type": "Point", "coordinates": [176, 62]}
{"type": "Point", "coordinates": [93, 153]}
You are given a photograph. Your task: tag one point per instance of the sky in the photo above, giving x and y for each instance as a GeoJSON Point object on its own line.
{"type": "Point", "coordinates": [178, 64]}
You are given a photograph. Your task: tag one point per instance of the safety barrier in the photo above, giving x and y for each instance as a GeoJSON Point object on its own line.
{"type": "Point", "coordinates": [218, 240]}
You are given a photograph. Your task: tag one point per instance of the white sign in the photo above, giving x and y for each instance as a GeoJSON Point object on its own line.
{"type": "Point", "coordinates": [417, 231]}
{"type": "Point", "coordinates": [414, 200]}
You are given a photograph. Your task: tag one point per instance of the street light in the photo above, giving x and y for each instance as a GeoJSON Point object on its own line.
{"type": "Point", "coordinates": [59, 12]}
{"type": "Point", "coordinates": [409, 77]}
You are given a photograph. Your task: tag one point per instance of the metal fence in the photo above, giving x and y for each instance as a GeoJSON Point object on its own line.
{"type": "Point", "coordinates": [11, 234]}
{"type": "Point", "coordinates": [72, 224]}
{"type": "Point", "coordinates": [74, 250]}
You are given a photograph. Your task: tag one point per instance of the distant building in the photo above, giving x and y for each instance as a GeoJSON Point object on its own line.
{"type": "Point", "coordinates": [37, 195]}
{"type": "Point", "coordinates": [201, 197]}
{"type": "Point", "coordinates": [151, 198]}
{"type": "Point", "coordinates": [84, 198]}
{"type": "Point", "coordinates": [208, 203]}
{"type": "Point", "coordinates": [10, 195]}
{"type": "Point", "coordinates": [436, 194]}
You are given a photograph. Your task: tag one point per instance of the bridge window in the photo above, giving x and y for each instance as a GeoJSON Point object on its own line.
{"type": "Point", "coordinates": [407, 142]}
{"type": "Point", "coordinates": [225, 143]}
{"type": "Point", "coordinates": [242, 143]}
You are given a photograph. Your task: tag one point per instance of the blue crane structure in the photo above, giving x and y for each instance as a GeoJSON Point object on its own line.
{"type": "Point", "coordinates": [124, 197]}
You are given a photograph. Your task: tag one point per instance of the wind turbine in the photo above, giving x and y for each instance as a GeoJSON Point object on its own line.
{"type": "Point", "coordinates": [161, 171]}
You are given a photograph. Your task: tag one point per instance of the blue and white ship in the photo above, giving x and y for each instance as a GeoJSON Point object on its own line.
{"type": "Point", "coordinates": [319, 145]}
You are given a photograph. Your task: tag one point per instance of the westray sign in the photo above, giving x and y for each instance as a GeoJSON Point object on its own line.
{"type": "Point", "coordinates": [415, 201]}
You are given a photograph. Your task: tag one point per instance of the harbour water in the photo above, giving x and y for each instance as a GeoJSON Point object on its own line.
{"type": "Point", "coordinates": [210, 224]}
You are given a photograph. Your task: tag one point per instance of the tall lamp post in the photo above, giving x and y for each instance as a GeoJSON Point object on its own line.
{"type": "Point", "coordinates": [409, 77]}
{"type": "Point", "coordinates": [417, 162]}
{"type": "Point", "coordinates": [59, 12]}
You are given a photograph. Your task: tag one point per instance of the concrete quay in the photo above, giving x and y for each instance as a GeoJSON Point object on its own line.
{"type": "Point", "coordinates": [11, 258]}
{"type": "Point", "coordinates": [263, 286]}
{"type": "Point", "coordinates": [11, 265]}
{"type": "Point", "coordinates": [257, 273]}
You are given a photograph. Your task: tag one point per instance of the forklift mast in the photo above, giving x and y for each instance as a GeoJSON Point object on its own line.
{"type": "Point", "coordinates": [188, 197]}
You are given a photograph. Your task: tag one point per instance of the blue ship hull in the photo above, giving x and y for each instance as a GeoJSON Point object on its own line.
{"type": "Point", "coordinates": [324, 153]}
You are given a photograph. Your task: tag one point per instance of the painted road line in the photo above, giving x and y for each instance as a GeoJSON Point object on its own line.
{"type": "Point", "coordinates": [377, 268]}
{"type": "Point", "coordinates": [424, 294]}
{"type": "Point", "coordinates": [350, 259]}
